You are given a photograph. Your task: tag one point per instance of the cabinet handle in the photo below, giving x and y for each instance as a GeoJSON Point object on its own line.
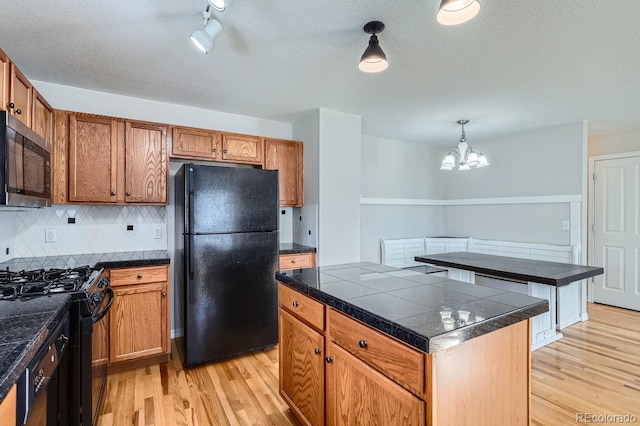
{"type": "Point", "coordinates": [317, 351]}
{"type": "Point", "coordinates": [128, 194]}
{"type": "Point", "coordinates": [113, 193]}
{"type": "Point", "coordinates": [214, 150]}
{"type": "Point", "coordinates": [293, 261]}
{"type": "Point", "coordinates": [224, 152]}
{"type": "Point", "coordinates": [362, 343]}
{"type": "Point", "coordinates": [164, 294]}
{"type": "Point", "coordinates": [329, 360]}
{"type": "Point", "coordinates": [295, 304]}
{"type": "Point", "coordinates": [11, 105]}
{"type": "Point", "coordinates": [18, 111]}
{"type": "Point", "coordinates": [139, 276]}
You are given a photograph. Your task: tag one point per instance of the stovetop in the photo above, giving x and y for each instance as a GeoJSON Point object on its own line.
{"type": "Point", "coordinates": [39, 282]}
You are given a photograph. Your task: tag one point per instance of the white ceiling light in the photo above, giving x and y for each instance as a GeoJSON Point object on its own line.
{"type": "Point", "coordinates": [220, 5]}
{"type": "Point", "coordinates": [463, 156]}
{"type": "Point", "coordinates": [454, 12]}
{"type": "Point", "coordinates": [203, 39]}
{"type": "Point", "coordinates": [373, 59]}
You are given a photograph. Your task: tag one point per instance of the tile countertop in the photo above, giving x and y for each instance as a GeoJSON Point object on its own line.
{"type": "Point", "coordinates": [294, 248]}
{"type": "Point", "coordinates": [538, 271]}
{"type": "Point", "coordinates": [25, 325]}
{"type": "Point", "coordinates": [127, 259]}
{"type": "Point", "coordinates": [407, 304]}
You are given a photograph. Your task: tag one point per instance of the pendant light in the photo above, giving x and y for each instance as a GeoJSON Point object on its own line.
{"type": "Point", "coordinates": [203, 39]}
{"type": "Point", "coordinates": [373, 59]}
{"type": "Point", "coordinates": [454, 12]}
{"type": "Point", "coordinates": [463, 156]}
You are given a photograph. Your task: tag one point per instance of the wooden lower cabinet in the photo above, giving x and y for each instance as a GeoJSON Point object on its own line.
{"type": "Point", "coordinates": [8, 408]}
{"type": "Point", "coordinates": [139, 317]}
{"type": "Point", "coordinates": [302, 369]}
{"type": "Point", "coordinates": [357, 394]}
{"type": "Point", "coordinates": [297, 261]}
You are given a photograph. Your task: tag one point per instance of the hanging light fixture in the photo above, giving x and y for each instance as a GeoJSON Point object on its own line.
{"type": "Point", "coordinates": [373, 59]}
{"type": "Point", "coordinates": [454, 12]}
{"type": "Point", "coordinates": [220, 5]}
{"type": "Point", "coordinates": [203, 39]}
{"type": "Point", "coordinates": [463, 156]}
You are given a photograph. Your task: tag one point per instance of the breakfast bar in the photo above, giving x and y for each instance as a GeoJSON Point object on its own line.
{"type": "Point", "coordinates": [365, 343]}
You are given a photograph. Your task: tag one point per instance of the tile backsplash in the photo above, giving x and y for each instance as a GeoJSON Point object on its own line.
{"type": "Point", "coordinates": [97, 229]}
{"type": "Point", "coordinates": [305, 225]}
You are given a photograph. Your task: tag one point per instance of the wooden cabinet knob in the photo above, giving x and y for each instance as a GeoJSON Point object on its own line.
{"type": "Point", "coordinates": [362, 343]}
{"type": "Point", "coordinates": [164, 294]}
{"type": "Point", "coordinates": [293, 261]}
{"type": "Point", "coordinates": [11, 105]}
{"type": "Point", "coordinates": [139, 276]}
{"type": "Point", "coordinates": [224, 152]}
{"type": "Point", "coordinates": [329, 360]}
{"type": "Point", "coordinates": [18, 111]}
{"type": "Point", "coordinates": [214, 150]}
{"type": "Point", "coordinates": [295, 304]}
{"type": "Point", "coordinates": [128, 194]}
{"type": "Point", "coordinates": [113, 193]}
{"type": "Point", "coordinates": [317, 351]}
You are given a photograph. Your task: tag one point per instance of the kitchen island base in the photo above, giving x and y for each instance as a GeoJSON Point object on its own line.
{"type": "Point", "coordinates": [336, 370]}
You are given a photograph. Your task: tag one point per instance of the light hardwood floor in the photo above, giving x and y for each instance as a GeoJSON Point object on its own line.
{"type": "Point", "coordinates": [594, 369]}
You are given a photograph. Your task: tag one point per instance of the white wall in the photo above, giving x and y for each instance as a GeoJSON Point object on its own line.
{"type": "Point", "coordinates": [615, 143]}
{"type": "Point", "coordinates": [339, 186]}
{"type": "Point", "coordinates": [7, 235]}
{"type": "Point", "coordinates": [542, 162]}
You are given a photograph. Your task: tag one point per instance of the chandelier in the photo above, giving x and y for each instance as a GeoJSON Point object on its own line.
{"type": "Point", "coordinates": [463, 157]}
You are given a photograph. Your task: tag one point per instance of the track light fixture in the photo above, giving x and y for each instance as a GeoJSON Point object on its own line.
{"type": "Point", "coordinates": [454, 12]}
{"type": "Point", "coordinates": [373, 59]}
{"type": "Point", "coordinates": [463, 156]}
{"type": "Point", "coordinates": [220, 5]}
{"type": "Point", "coordinates": [203, 39]}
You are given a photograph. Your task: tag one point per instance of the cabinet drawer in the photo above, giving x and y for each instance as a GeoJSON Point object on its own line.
{"type": "Point", "coordinates": [394, 359]}
{"type": "Point", "coordinates": [297, 261]}
{"type": "Point", "coordinates": [302, 306]}
{"type": "Point", "coordinates": [147, 274]}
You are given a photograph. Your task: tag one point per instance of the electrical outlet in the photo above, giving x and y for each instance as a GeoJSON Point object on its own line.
{"type": "Point", "coordinates": [50, 236]}
{"type": "Point", "coordinates": [157, 232]}
{"type": "Point", "coordinates": [566, 225]}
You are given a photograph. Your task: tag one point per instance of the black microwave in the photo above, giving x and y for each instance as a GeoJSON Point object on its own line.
{"type": "Point", "coordinates": [25, 161]}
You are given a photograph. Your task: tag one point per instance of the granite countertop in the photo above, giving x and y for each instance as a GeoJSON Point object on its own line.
{"type": "Point", "coordinates": [294, 248]}
{"type": "Point", "coordinates": [538, 271]}
{"type": "Point", "coordinates": [407, 304]}
{"type": "Point", "coordinates": [101, 260]}
{"type": "Point", "coordinates": [25, 325]}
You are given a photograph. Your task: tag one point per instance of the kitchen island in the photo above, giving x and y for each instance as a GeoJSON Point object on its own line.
{"type": "Point", "coordinates": [365, 343]}
{"type": "Point", "coordinates": [556, 282]}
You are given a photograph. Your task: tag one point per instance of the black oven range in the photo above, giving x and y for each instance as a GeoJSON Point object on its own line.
{"type": "Point", "coordinates": [64, 362]}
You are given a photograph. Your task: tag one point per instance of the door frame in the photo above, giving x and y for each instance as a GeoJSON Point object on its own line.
{"type": "Point", "coordinates": [591, 208]}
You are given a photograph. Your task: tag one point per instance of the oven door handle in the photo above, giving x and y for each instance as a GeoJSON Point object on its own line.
{"type": "Point", "coordinates": [101, 315]}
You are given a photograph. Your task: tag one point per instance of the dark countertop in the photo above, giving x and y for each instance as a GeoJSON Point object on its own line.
{"type": "Point", "coordinates": [407, 304]}
{"type": "Point", "coordinates": [294, 248]}
{"type": "Point", "coordinates": [538, 271]}
{"type": "Point", "coordinates": [25, 325]}
{"type": "Point", "coordinates": [127, 259]}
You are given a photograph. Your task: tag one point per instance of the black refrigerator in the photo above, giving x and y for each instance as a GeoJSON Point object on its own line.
{"type": "Point", "coordinates": [227, 236]}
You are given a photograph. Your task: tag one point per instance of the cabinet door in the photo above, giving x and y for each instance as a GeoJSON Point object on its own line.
{"type": "Point", "coordinates": [8, 408]}
{"type": "Point", "coordinates": [42, 117]}
{"type": "Point", "coordinates": [302, 369]}
{"type": "Point", "coordinates": [195, 143]}
{"type": "Point", "coordinates": [20, 93]}
{"type": "Point", "coordinates": [145, 163]}
{"type": "Point", "coordinates": [286, 157]}
{"type": "Point", "coordinates": [4, 79]}
{"type": "Point", "coordinates": [359, 395]}
{"type": "Point", "coordinates": [100, 342]}
{"type": "Point", "coordinates": [93, 153]}
{"type": "Point", "coordinates": [242, 148]}
{"type": "Point", "coordinates": [138, 321]}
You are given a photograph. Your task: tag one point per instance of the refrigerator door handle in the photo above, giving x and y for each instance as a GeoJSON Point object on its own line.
{"type": "Point", "coordinates": [190, 267]}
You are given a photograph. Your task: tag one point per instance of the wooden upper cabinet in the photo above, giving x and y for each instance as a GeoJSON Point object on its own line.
{"type": "Point", "coordinates": [93, 158]}
{"type": "Point", "coordinates": [195, 143]}
{"type": "Point", "coordinates": [242, 148]}
{"type": "Point", "coordinates": [5, 70]}
{"type": "Point", "coordinates": [286, 157]}
{"type": "Point", "coordinates": [20, 96]}
{"type": "Point", "coordinates": [42, 117]}
{"type": "Point", "coordinates": [146, 168]}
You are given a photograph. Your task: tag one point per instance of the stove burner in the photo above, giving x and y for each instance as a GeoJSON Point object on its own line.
{"type": "Point", "coordinates": [14, 285]}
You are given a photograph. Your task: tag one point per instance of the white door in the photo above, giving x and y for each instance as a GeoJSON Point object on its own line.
{"type": "Point", "coordinates": [617, 233]}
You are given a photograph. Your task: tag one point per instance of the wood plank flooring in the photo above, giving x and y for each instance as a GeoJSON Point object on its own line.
{"type": "Point", "coordinates": [594, 368]}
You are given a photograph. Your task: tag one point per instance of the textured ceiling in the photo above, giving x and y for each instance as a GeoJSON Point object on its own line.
{"type": "Point", "coordinates": [519, 65]}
